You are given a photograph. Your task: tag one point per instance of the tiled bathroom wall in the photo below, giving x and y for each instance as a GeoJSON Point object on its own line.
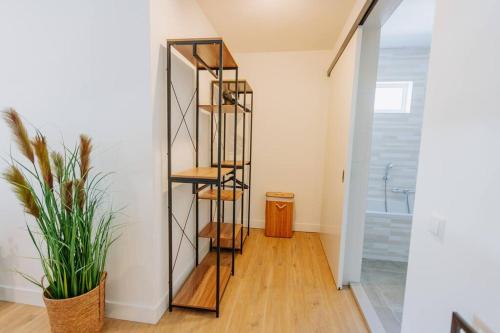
{"type": "Point", "coordinates": [387, 236]}
{"type": "Point", "coordinates": [396, 139]}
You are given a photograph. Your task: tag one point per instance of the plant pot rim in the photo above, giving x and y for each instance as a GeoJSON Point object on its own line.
{"type": "Point", "coordinates": [45, 298]}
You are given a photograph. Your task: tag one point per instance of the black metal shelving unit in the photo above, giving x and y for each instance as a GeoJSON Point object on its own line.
{"type": "Point", "coordinates": [217, 182]}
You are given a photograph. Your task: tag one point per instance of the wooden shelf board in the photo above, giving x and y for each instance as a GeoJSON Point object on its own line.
{"type": "Point", "coordinates": [201, 173]}
{"type": "Point", "coordinates": [231, 85]}
{"type": "Point", "coordinates": [209, 53]}
{"type": "Point", "coordinates": [226, 108]}
{"type": "Point", "coordinates": [230, 164]}
{"type": "Point", "coordinates": [198, 291]}
{"type": "Point", "coordinates": [226, 231]}
{"type": "Point", "coordinates": [227, 243]}
{"type": "Point", "coordinates": [226, 195]}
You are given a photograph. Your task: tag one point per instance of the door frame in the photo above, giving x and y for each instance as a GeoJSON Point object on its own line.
{"type": "Point", "coordinates": [344, 245]}
{"type": "Point", "coordinates": [363, 130]}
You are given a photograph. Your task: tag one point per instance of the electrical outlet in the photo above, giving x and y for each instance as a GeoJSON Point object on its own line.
{"type": "Point", "coordinates": [437, 226]}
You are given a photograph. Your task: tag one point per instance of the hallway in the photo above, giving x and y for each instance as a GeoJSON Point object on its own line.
{"type": "Point", "coordinates": [280, 285]}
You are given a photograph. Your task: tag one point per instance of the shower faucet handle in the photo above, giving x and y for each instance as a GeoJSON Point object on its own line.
{"type": "Point", "coordinates": [403, 190]}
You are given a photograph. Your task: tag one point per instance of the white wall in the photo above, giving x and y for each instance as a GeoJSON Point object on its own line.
{"type": "Point", "coordinates": [83, 66]}
{"type": "Point", "coordinates": [176, 19]}
{"type": "Point", "coordinates": [99, 67]}
{"type": "Point", "coordinates": [291, 99]}
{"type": "Point", "coordinates": [458, 175]}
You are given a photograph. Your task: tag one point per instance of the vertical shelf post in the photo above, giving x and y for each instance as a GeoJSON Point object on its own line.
{"type": "Point", "coordinates": [219, 164]}
{"type": "Point", "coordinates": [211, 147]}
{"type": "Point", "coordinates": [243, 165]}
{"type": "Point", "coordinates": [235, 143]}
{"type": "Point", "coordinates": [251, 164]}
{"type": "Point", "coordinates": [169, 166]}
{"type": "Point", "coordinates": [197, 161]}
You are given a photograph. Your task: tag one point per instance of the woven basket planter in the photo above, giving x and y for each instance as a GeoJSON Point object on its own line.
{"type": "Point", "coordinates": [84, 313]}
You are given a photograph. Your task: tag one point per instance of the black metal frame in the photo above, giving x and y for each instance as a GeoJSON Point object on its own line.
{"type": "Point", "coordinates": [459, 325]}
{"type": "Point", "coordinates": [240, 184]}
{"type": "Point", "coordinates": [200, 184]}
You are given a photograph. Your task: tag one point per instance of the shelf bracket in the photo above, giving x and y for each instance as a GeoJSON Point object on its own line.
{"type": "Point", "coordinates": [239, 182]}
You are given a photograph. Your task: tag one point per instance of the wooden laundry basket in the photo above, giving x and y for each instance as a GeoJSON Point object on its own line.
{"type": "Point", "coordinates": [279, 214]}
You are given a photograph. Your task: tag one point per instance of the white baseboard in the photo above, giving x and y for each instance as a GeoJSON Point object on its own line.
{"type": "Point", "coordinates": [117, 310]}
{"type": "Point", "coordinates": [21, 295]}
{"type": "Point", "coordinates": [306, 227]}
{"type": "Point", "coordinates": [136, 312]}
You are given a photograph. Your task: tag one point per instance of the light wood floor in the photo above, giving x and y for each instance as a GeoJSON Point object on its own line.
{"type": "Point", "coordinates": [280, 285]}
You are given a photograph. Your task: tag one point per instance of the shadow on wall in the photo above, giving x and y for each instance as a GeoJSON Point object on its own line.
{"type": "Point", "coordinates": [8, 262]}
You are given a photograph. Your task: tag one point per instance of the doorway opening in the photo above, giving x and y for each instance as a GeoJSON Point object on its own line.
{"type": "Point", "coordinates": [405, 41]}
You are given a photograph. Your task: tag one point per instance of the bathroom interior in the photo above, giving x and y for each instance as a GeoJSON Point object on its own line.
{"type": "Point", "coordinates": [397, 122]}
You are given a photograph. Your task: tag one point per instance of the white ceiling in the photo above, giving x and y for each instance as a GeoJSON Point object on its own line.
{"type": "Point", "coordinates": [277, 25]}
{"type": "Point", "coordinates": [410, 25]}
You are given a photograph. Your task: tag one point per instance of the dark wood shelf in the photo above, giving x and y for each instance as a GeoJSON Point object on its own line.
{"type": "Point", "coordinates": [198, 291]}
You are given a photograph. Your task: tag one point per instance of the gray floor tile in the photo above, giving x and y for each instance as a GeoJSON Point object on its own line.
{"type": "Point", "coordinates": [384, 283]}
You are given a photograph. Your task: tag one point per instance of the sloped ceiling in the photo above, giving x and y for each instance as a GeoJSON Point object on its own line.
{"type": "Point", "coordinates": [277, 25]}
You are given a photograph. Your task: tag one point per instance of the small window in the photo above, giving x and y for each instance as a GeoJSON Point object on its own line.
{"type": "Point", "coordinates": [393, 97]}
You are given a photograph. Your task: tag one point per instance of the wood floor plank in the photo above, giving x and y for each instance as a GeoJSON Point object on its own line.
{"type": "Point", "coordinates": [280, 285]}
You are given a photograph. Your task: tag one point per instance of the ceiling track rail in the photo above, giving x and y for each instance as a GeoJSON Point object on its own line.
{"type": "Point", "coordinates": [360, 20]}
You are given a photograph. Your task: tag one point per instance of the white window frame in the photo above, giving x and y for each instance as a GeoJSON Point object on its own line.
{"type": "Point", "coordinates": [407, 91]}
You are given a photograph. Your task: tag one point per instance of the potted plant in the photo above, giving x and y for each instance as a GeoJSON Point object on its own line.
{"type": "Point", "coordinates": [71, 233]}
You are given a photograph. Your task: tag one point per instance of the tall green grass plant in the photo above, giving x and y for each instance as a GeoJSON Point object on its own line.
{"type": "Point", "coordinates": [72, 232]}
